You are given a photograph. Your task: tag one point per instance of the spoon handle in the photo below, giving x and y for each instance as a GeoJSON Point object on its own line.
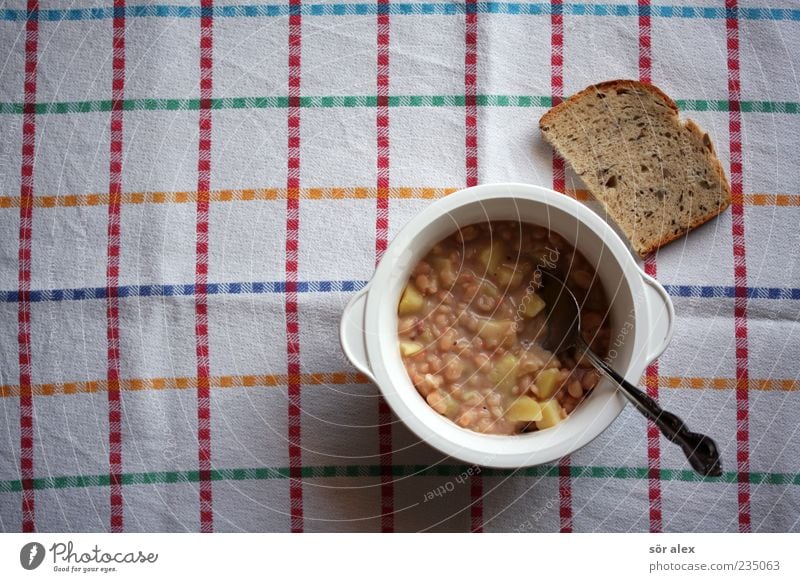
{"type": "Point", "coordinates": [700, 450]}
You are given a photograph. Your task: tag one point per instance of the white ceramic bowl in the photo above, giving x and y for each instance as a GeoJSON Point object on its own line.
{"type": "Point", "coordinates": [642, 317]}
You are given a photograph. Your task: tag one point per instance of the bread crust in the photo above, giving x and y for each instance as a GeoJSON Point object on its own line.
{"type": "Point", "coordinates": [606, 85]}
{"type": "Point", "coordinates": [554, 113]}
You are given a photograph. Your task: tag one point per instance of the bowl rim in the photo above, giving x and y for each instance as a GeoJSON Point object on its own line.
{"type": "Point", "coordinates": [443, 434]}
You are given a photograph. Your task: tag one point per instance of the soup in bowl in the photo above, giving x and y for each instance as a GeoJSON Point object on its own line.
{"type": "Point", "coordinates": [473, 328]}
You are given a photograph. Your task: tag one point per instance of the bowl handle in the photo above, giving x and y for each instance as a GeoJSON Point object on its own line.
{"type": "Point", "coordinates": [661, 317]}
{"type": "Point", "coordinates": [351, 333]}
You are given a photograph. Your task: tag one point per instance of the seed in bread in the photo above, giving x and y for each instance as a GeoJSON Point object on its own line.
{"type": "Point", "coordinates": [656, 176]}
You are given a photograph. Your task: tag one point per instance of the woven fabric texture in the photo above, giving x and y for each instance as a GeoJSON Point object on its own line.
{"type": "Point", "coordinates": [190, 193]}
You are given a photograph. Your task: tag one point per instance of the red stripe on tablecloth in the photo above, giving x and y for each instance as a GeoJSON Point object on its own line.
{"type": "Point", "coordinates": [112, 271]}
{"type": "Point", "coordinates": [381, 239]}
{"type": "Point", "coordinates": [292, 229]}
{"type": "Point", "coordinates": [739, 270]}
{"type": "Point", "coordinates": [645, 55]}
{"type": "Point", "coordinates": [653, 435]}
{"type": "Point", "coordinates": [471, 91]}
{"type": "Point", "coordinates": [201, 270]}
{"type": "Point", "coordinates": [557, 81]}
{"type": "Point", "coordinates": [471, 151]}
{"type": "Point", "coordinates": [24, 306]}
{"type": "Point", "coordinates": [559, 184]}
{"type": "Point", "coordinates": [651, 268]}
{"type": "Point", "coordinates": [564, 495]}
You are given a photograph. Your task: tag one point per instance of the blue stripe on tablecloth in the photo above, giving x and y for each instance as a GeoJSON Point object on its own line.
{"type": "Point", "coordinates": [267, 287]}
{"type": "Point", "coordinates": [345, 9]}
{"type": "Point", "coordinates": [723, 291]}
{"type": "Point", "coordinates": [243, 288]}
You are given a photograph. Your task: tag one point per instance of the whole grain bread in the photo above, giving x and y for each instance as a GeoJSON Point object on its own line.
{"type": "Point", "coordinates": [657, 176]}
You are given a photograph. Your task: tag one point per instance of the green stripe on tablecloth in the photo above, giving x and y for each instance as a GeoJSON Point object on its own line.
{"type": "Point", "coordinates": [329, 471]}
{"type": "Point", "coordinates": [351, 101]}
{"type": "Point", "coordinates": [745, 106]}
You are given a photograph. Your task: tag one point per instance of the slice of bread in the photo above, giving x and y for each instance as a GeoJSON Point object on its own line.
{"type": "Point", "coordinates": [657, 176]}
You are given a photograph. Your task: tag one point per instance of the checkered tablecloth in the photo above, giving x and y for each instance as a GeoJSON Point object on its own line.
{"type": "Point", "coordinates": [189, 195]}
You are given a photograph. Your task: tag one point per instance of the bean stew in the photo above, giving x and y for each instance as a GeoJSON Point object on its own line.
{"type": "Point", "coordinates": [471, 325]}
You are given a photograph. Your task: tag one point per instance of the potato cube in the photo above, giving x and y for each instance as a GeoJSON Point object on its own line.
{"type": "Point", "coordinates": [426, 337]}
{"type": "Point", "coordinates": [441, 264]}
{"type": "Point", "coordinates": [410, 348]}
{"type": "Point", "coordinates": [496, 331]}
{"type": "Point", "coordinates": [504, 373]}
{"type": "Point", "coordinates": [510, 277]}
{"type": "Point", "coordinates": [410, 302]}
{"type": "Point", "coordinates": [532, 305]}
{"type": "Point", "coordinates": [547, 382]}
{"type": "Point", "coordinates": [452, 406]}
{"type": "Point", "coordinates": [551, 414]}
{"type": "Point", "coordinates": [442, 403]}
{"type": "Point", "coordinates": [492, 255]}
{"type": "Point", "coordinates": [524, 409]}
{"type": "Point", "coordinates": [473, 397]}
{"type": "Point", "coordinates": [443, 267]}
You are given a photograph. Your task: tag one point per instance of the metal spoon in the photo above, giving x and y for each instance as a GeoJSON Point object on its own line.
{"type": "Point", "coordinates": [564, 321]}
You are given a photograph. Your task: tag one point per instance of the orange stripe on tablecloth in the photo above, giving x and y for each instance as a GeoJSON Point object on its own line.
{"type": "Point", "coordinates": [772, 199]}
{"type": "Point", "coordinates": [241, 195]}
{"type": "Point", "coordinates": [761, 384]}
{"type": "Point", "coordinates": [185, 383]}
{"type": "Point", "coordinates": [350, 193]}
{"type": "Point", "coordinates": [323, 378]}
